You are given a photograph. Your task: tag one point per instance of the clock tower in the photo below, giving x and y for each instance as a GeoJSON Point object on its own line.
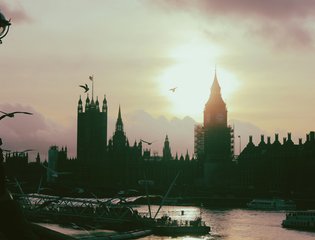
{"type": "Point", "coordinates": [215, 113]}
{"type": "Point", "coordinates": [217, 135]}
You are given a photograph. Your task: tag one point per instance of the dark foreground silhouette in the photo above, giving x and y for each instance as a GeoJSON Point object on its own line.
{"type": "Point", "coordinates": [12, 222]}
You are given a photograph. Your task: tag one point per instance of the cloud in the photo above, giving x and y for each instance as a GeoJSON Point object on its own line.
{"type": "Point", "coordinates": [268, 9]}
{"type": "Point", "coordinates": [291, 35]}
{"type": "Point", "coordinates": [14, 12]}
{"type": "Point", "coordinates": [34, 132]}
{"type": "Point", "coordinates": [39, 133]}
{"type": "Point", "coordinates": [280, 20]}
{"type": "Point", "coordinates": [244, 130]}
{"type": "Point", "coordinates": [141, 125]}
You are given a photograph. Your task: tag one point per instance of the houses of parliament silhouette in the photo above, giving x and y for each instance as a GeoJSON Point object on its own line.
{"type": "Point", "coordinates": [110, 165]}
{"type": "Point", "coordinates": [119, 163]}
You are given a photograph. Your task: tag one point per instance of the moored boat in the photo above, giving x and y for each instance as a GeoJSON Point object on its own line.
{"type": "Point", "coordinates": [271, 204]}
{"type": "Point", "coordinates": [181, 230]}
{"type": "Point", "coordinates": [301, 220]}
{"type": "Point", "coordinates": [165, 226]}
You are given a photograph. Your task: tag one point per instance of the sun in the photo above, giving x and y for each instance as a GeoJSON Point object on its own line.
{"type": "Point", "coordinates": [192, 74]}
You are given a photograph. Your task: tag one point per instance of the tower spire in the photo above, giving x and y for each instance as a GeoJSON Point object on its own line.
{"type": "Point", "coordinates": [119, 113]}
{"type": "Point", "coordinates": [215, 109]}
{"type": "Point", "coordinates": [215, 88]}
{"type": "Point", "coordinates": [167, 155]}
{"type": "Point", "coordinates": [119, 123]}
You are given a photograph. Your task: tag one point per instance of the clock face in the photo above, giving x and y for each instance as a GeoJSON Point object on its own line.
{"type": "Point", "coordinates": [220, 117]}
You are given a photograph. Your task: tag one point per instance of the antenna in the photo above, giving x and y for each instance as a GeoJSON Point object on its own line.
{"type": "Point", "coordinates": [166, 195]}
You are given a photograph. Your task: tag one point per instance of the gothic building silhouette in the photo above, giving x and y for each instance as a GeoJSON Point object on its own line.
{"type": "Point", "coordinates": [217, 139]}
{"type": "Point", "coordinates": [278, 167]}
{"type": "Point", "coordinates": [217, 152]}
{"type": "Point", "coordinates": [107, 166]}
{"type": "Point", "coordinates": [91, 135]}
{"type": "Point", "coordinates": [167, 155]}
{"type": "Point", "coordinates": [119, 142]}
{"type": "Point", "coordinates": [117, 164]}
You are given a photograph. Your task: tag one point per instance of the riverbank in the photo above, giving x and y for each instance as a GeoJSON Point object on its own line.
{"type": "Point", "coordinates": [54, 232]}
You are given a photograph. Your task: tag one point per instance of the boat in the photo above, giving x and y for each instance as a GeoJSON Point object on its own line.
{"type": "Point", "coordinates": [112, 214]}
{"type": "Point", "coordinates": [301, 220]}
{"type": "Point", "coordinates": [271, 204]}
{"type": "Point", "coordinates": [165, 226]}
{"type": "Point", "coordinates": [103, 215]}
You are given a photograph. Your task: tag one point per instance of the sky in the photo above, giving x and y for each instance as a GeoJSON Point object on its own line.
{"type": "Point", "coordinates": [263, 53]}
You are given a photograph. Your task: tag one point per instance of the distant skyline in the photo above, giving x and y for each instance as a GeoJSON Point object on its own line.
{"type": "Point", "coordinates": [139, 50]}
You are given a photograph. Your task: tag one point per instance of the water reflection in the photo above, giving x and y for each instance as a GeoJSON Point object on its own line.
{"type": "Point", "coordinates": [227, 224]}
{"type": "Point", "coordinates": [252, 225]}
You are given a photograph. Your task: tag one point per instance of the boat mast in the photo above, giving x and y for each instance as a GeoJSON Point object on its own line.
{"type": "Point", "coordinates": [147, 192]}
{"type": "Point", "coordinates": [166, 195]}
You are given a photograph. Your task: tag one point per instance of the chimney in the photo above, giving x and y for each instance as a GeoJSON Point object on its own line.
{"type": "Point", "coordinates": [300, 141]}
{"type": "Point", "coordinates": [289, 136]}
{"type": "Point", "coordinates": [312, 136]}
{"type": "Point", "coordinates": [268, 140]}
{"type": "Point", "coordinates": [284, 140]}
{"type": "Point", "coordinates": [276, 137]}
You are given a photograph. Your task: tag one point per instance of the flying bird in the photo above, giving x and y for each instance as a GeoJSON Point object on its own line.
{"type": "Point", "coordinates": [85, 87]}
{"type": "Point", "coordinates": [91, 77]}
{"type": "Point", "coordinates": [11, 114]}
{"type": "Point", "coordinates": [149, 143]}
{"type": "Point", "coordinates": [27, 150]}
{"type": "Point", "coordinates": [54, 173]}
{"type": "Point", "coordinates": [173, 89]}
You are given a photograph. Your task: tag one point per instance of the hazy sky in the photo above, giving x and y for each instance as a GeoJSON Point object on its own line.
{"type": "Point", "coordinates": [139, 49]}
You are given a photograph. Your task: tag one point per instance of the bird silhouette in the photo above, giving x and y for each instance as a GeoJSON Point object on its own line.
{"type": "Point", "coordinates": [173, 89]}
{"type": "Point", "coordinates": [54, 173]}
{"type": "Point", "coordinates": [11, 114]}
{"type": "Point", "coordinates": [149, 143]}
{"type": "Point", "coordinates": [27, 150]}
{"type": "Point", "coordinates": [85, 87]}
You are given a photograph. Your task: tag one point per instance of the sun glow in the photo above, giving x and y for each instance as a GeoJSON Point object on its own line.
{"type": "Point", "coordinates": [192, 75]}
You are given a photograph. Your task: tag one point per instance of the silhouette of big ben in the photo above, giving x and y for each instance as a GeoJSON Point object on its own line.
{"type": "Point", "coordinates": [91, 135]}
{"type": "Point", "coordinates": [217, 136]}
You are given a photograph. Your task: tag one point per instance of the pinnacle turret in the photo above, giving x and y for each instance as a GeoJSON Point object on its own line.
{"type": "Point", "coordinates": [80, 107]}
{"type": "Point", "coordinates": [119, 123]}
{"type": "Point", "coordinates": [104, 107]}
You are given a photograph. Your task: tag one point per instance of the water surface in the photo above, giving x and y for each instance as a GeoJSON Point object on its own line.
{"type": "Point", "coordinates": [226, 224]}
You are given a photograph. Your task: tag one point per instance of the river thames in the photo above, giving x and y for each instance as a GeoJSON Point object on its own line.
{"type": "Point", "coordinates": [234, 224]}
{"type": "Point", "coordinates": [226, 224]}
